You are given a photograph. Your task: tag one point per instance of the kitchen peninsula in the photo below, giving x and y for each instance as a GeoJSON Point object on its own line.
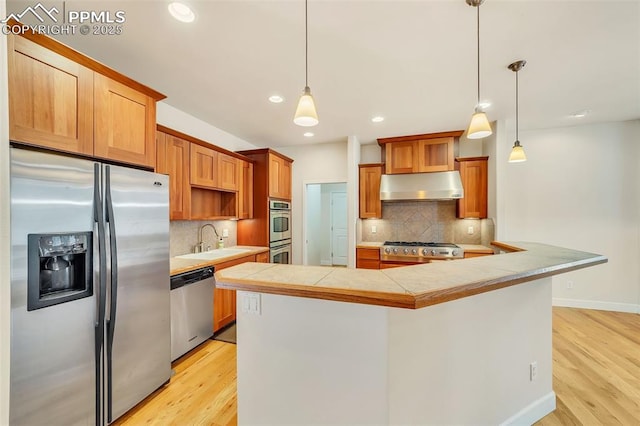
{"type": "Point", "coordinates": [464, 342]}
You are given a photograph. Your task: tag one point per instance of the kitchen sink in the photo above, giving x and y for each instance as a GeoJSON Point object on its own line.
{"type": "Point", "coordinates": [213, 254]}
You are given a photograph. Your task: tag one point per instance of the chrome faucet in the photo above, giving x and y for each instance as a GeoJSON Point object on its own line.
{"type": "Point", "coordinates": [200, 246]}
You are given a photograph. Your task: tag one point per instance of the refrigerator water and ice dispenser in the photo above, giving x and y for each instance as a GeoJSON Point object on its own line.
{"type": "Point", "coordinates": [60, 268]}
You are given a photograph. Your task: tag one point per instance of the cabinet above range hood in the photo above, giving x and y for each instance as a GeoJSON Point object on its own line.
{"type": "Point", "coordinates": [421, 186]}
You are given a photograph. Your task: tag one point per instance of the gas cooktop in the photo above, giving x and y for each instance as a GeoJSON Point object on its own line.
{"type": "Point", "coordinates": [419, 251]}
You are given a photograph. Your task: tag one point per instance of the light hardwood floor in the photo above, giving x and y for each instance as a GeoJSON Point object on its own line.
{"type": "Point", "coordinates": [202, 391]}
{"type": "Point", "coordinates": [596, 377]}
{"type": "Point", "coordinates": [596, 368]}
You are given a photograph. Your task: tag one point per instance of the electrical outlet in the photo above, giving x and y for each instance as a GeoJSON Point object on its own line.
{"type": "Point", "coordinates": [470, 230]}
{"type": "Point", "coordinates": [251, 303]}
{"type": "Point", "coordinates": [570, 285]}
{"type": "Point", "coordinates": [225, 232]}
{"type": "Point", "coordinates": [374, 229]}
{"type": "Point", "coordinates": [533, 370]}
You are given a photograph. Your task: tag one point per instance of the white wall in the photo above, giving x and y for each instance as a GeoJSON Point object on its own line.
{"type": "Point", "coordinates": [461, 362]}
{"type": "Point", "coordinates": [314, 230]}
{"type": "Point", "coordinates": [5, 242]}
{"type": "Point", "coordinates": [178, 120]}
{"type": "Point", "coordinates": [579, 188]}
{"type": "Point", "coordinates": [321, 163]}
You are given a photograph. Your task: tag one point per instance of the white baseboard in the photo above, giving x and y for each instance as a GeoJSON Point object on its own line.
{"type": "Point", "coordinates": [325, 262]}
{"type": "Point", "coordinates": [534, 411]}
{"type": "Point", "coordinates": [598, 305]}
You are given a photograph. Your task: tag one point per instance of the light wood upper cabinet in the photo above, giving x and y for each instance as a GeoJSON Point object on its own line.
{"type": "Point", "coordinates": [370, 204]}
{"type": "Point", "coordinates": [125, 123]}
{"type": "Point", "coordinates": [50, 98]}
{"type": "Point", "coordinates": [279, 177]}
{"type": "Point", "coordinates": [173, 160]}
{"type": "Point", "coordinates": [204, 166]}
{"type": "Point", "coordinates": [228, 172]}
{"type": "Point", "coordinates": [435, 155]}
{"type": "Point", "coordinates": [401, 157]}
{"type": "Point", "coordinates": [245, 195]}
{"type": "Point", "coordinates": [434, 152]}
{"type": "Point", "coordinates": [474, 175]}
{"type": "Point", "coordinates": [63, 100]}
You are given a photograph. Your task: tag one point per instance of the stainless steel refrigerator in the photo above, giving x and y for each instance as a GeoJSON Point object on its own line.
{"type": "Point", "coordinates": [90, 306]}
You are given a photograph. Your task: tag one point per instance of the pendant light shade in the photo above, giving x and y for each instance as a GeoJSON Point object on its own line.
{"type": "Point", "coordinates": [479, 127]}
{"type": "Point", "coordinates": [306, 114]}
{"type": "Point", "coordinates": [517, 152]}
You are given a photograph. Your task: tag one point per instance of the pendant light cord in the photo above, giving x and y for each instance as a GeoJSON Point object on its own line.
{"type": "Point", "coordinates": [517, 106]}
{"type": "Point", "coordinates": [306, 47]}
{"type": "Point", "coordinates": [478, 49]}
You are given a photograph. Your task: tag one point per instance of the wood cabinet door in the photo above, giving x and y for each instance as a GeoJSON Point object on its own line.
{"type": "Point", "coordinates": [50, 98]}
{"type": "Point", "coordinates": [400, 157]}
{"type": "Point", "coordinates": [173, 159]}
{"type": "Point", "coordinates": [245, 194]}
{"type": "Point", "coordinates": [435, 155]}
{"type": "Point", "coordinates": [124, 123]}
{"type": "Point", "coordinates": [276, 165]}
{"type": "Point", "coordinates": [367, 258]}
{"type": "Point", "coordinates": [285, 179]}
{"type": "Point", "coordinates": [224, 307]}
{"type": "Point", "coordinates": [203, 166]}
{"type": "Point", "coordinates": [474, 175]}
{"type": "Point", "coordinates": [262, 257]}
{"type": "Point", "coordinates": [227, 172]}
{"type": "Point", "coordinates": [370, 204]}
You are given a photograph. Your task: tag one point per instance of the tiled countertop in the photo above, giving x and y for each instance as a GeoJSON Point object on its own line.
{"type": "Point", "coordinates": [178, 265]}
{"type": "Point", "coordinates": [410, 286]}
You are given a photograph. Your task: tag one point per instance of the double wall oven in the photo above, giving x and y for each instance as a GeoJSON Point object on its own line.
{"type": "Point", "coordinates": [280, 231]}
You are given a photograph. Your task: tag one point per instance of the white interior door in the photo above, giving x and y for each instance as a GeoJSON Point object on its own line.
{"type": "Point", "coordinates": [339, 245]}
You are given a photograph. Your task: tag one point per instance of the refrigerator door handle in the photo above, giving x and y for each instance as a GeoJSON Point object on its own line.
{"type": "Point", "coordinates": [111, 322]}
{"type": "Point", "coordinates": [101, 296]}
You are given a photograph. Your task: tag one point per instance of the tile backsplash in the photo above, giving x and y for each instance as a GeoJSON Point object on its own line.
{"type": "Point", "coordinates": [184, 234]}
{"type": "Point", "coordinates": [426, 221]}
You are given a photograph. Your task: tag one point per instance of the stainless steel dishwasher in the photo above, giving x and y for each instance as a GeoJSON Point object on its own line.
{"type": "Point", "coordinates": [191, 310]}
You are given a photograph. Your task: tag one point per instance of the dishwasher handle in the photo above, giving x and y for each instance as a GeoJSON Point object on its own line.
{"type": "Point", "coordinates": [191, 277]}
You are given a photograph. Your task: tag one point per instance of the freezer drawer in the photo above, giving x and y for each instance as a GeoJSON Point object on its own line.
{"type": "Point", "coordinates": [191, 310]}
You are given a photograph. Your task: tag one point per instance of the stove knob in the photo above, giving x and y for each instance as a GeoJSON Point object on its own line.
{"type": "Point", "coordinates": [454, 252]}
{"type": "Point", "coordinates": [405, 251]}
{"type": "Point", "coordinates": [387, 250]}
{"type": "Point", "coordinates": [433, 252]}
{"type": "Point", "coordinates": [414, 251]}
{"type": "Point", "coordinates": [425, 252]}
{"type": "Point", "coordinates": [395, 251]}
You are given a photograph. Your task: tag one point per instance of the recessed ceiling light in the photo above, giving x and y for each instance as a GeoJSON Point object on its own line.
{"type": "Point", "coordinates": [580, 114]}
{"type": "Point", "coordinates": [276, 99]}
{"type": "Point", "coordinates": [308, 134]}
{"type": "Point", "coordinates": [484, 104]}
{"type": "Point", "coordinates": [181, 12]}
{"type": "Point", "coordinates": [377, 119]}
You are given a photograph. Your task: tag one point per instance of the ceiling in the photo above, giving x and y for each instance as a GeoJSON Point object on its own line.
{"type": "Point", "coordinates": [413, 62]}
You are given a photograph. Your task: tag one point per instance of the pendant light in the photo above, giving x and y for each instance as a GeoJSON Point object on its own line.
{"type": "Point", "coordinates": [517, 153]}
{"type": "Point", "coordinates": [306, 114]}
{"type": "Point", "coordinates": [479, 126]}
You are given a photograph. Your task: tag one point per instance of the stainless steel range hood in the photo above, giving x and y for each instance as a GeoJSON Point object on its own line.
{"type": "Point", "coordinates": [421, 186]}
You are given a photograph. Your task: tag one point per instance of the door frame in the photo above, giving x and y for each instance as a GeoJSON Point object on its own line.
{"type": "Point", "coordinates": [305, 183]}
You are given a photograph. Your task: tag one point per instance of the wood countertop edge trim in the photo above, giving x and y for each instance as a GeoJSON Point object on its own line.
{"type": "Point", "coordinates": [394, 300]}
{"type": "Point", "coordinates": [446, 295]}
{"type": "Point", "coordinates": [215, 262]}
{"type": "Point", "coordinates": [407, 300]}
{"type": "Point", "coordinates": [506, 247]}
